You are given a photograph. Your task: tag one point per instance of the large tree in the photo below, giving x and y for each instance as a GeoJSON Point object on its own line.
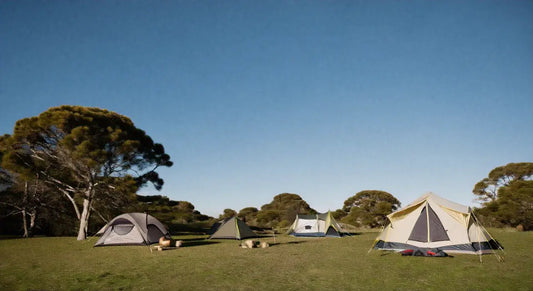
{"type": "Point", "coordinates": [227, 213]}
{"type": "Point", "coordinates": [369, 208]}
{"type": "Point", "coordinates": [89, 154]}
{"type": "Point", "coordinates": [487, 189]}
{"type": "Point", "coordinates": [249, 215]}
{"type": "Point", "coordinates": [283, 210]}
{"type": "Point", "coordinates": [515, 204]}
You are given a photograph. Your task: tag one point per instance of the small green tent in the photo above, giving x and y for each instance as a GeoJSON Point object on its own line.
{"type": "Point", "coordinates": [233, 228]}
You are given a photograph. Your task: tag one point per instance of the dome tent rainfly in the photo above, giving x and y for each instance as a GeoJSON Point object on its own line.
{"type": "Point", "coordinates": [433, 222]}
{"type": "Point", "coordinates": [315, 225]}
{"type": "Point", "coordinates": [132, 229]}
{"type": "Point", "coordinates": [231, 228]}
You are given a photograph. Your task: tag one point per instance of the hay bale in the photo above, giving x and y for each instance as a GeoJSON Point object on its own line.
{"type": "Point", "coordinates": [520, 227]}
{"type": "Point", "coordinates": [179, 243]}
{"type": "Point", "coordinates": [264, 245]}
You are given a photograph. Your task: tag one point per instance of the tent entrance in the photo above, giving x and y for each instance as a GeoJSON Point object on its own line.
{"type": "Point", "coordinates": [428, 227]}
{"type": "Point", "coordinates": [332, 232]}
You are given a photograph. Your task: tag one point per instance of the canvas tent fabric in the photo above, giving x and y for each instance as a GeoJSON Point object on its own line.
{"type": "Point", "coordinates": [433, 222]}
{"type": "Point", "coordinates": [315, 225]}
{"type": "Point", "coordinates": [132, 229]}
{"type": "Point", "coordinates": [232, 228]}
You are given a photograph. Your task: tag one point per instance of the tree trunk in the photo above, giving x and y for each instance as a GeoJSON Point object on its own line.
{"type": "Point", "coordinates": [24, 223]}
{"type": "Point", "coordinates": [72, 201]}
{"type": "Point", "coordinates": [86, 212]}
{"type": "Point", "coordinates": [33, 216]}
{"type": "Point", "coordinates": [24, 203]}
{"type": "Point", "coordinates": [84, 220]}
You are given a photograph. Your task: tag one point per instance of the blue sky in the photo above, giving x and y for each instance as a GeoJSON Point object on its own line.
{"type": "Point", "coordinates": [319, 98]}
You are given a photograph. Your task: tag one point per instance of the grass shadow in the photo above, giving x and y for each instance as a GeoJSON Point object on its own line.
{"type": "Point", "coordinates": [286, 243]}
{"type": "Point", "coordinates": [191, 239]}
{"type": "Point", "coordinates": [194, 243]}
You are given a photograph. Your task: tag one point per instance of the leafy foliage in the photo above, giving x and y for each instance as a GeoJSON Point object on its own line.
{"type": "Point", "coordinates": [369, 208]}
{"type": "Point", "coordinates": [507, 196]}
{"type": "Point", "coordinates": [513, 207]}
{"type": "Point", "coordinates": [93, 157]}
{"type": "Point", "coordinates": [228, 213]}
{"type": "Point", "coordinates": [178, 216]}
{"type": "Point", "coordinates": [487, 189]}
{"type": "Point", "coordinates": [249, 215]}
{"type": "Point", "coordinates": [282, 210]}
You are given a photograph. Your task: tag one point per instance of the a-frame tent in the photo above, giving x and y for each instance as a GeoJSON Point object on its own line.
{"type": "Point", "coordinates": [232, 228]}
{"type": "Point", "coordinates": [432, 222]}
{"type": "Point", "coordinates": [315, 225]}
{"type": "Point", "coordinates": [132, 229]}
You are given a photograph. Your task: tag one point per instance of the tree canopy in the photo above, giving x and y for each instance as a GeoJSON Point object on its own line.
{"type": "Point", "coordinates": [369, 208]}
{"type": "Point", "coordinates": [283, 210]}
{"type": "Point", "coordinates": [228, 213]}
{"type": "Point", "coordinates": [507, 196]}
{"type": "Point", "coordinates": [89, 154]}
{"type": "Point", "coordinates": [486, 190]}
{"type": "Point", "coordinates": [249, 215]}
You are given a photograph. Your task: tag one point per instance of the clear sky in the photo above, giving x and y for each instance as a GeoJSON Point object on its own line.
{"type": "Point", "coordinates": [318, 98]}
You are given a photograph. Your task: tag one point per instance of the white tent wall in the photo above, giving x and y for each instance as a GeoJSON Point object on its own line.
{"type": "Point", "coordinates": [315, 225]}
{"type": "Point", "coordinates": [399, 230]}
{"type": "Point", "coordinates": [309, 226]}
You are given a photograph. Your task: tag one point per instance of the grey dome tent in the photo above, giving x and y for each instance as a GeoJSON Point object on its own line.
{"type": "Point", "coordinates": [132, 229]}
{"type": "Point", "coordinates": [232, 228]}
{"type": "Point", "coordinates": [315, 225]}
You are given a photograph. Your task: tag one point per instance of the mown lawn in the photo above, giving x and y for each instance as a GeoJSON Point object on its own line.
{"type": "Point", "coordinates": [289, 264]}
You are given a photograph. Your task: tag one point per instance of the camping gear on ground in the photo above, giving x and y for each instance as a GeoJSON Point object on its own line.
{"type": "Point", "coordinates": [232, 228]}
{"type": "Point", "coordinates": [315, 225]}
{"type": "Point", "coordinates": [432, 222]}
{"type": "Point", "coordinates": [425, 253]}
{"type": "Point", "coordinates": [168, 244]}
{"type": "Point", "coordinates": [249, 244]}
{"type": "Point", "coordinates": [132, 229]}
{"type": "Point", "coordinates": [252, 244]}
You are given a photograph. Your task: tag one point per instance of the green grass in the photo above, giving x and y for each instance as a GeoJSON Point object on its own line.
{"type": "Point", "coordinates": [290, 264]}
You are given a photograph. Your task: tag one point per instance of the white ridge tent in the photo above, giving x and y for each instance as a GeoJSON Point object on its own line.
{"type": "Point", "coordinates": [315, 225]}
{"type": "Point", "coordinates": [433, 222]}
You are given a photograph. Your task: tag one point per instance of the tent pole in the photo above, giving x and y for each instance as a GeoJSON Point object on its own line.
{"type": "Point", "coordinates": [372, 247]}
{"type": "Point", "coordinates": [427, 219]}
{"type": "Point", "coordinates": [500, 257]}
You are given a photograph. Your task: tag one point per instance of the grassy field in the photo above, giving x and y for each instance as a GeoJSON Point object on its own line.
{"type": "Point", "coordinates": [289, 264]}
